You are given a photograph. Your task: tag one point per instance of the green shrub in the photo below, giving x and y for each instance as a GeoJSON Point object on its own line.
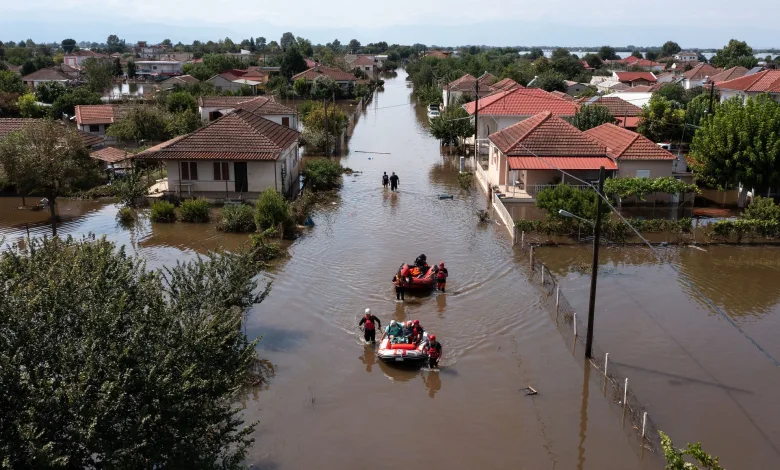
{"type": "Point", "coordinates": [466, 180]}
{"type": "Point", "coordinates": [743, 228]}
{"type": "Point", "coordinates": [322, 174]}
{"type": "Point", "coordinates": [236, 218]}
{"type": "Point", "coordinates": [162, 211]}
{"type": "Point", "coordinates": [262, 249]}
{"type": "Point", "coordinates": [763, 208]}
{"type": "Point", "coordinates": [271, 210]}
{"type": "Point", "coordinates": [301, 207]}
{"type": "Point", "coordinates": [195, 210]}
{"type": "Point", "coordinates": [126, 215]}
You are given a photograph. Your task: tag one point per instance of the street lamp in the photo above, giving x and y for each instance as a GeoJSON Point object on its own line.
{"type": "Point", "coordinates": [595, 267]}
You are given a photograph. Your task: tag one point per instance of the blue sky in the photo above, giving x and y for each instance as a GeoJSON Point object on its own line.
{"type": "Point", "coordinates": [696, 23]}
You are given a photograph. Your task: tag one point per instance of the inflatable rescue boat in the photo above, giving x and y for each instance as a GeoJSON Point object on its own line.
{"type": "Point", "coordinates": [412, 278]}
{"type": "Point", "coordinates": [402, 353]}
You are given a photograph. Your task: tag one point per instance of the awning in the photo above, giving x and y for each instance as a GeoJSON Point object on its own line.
{"type": "Point", "coordinates": [561, 163]}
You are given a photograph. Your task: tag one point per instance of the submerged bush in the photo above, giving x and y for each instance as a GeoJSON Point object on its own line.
{"type": "Point", "coordinates": [263, 249]}
{"type": "Point", "coordinates": [195, 210]}
{"type": "Point", "coordinates": [162, 211]}
{"type": "Point", "coordinates": [271, 210]}
{"type": "Point", "coordinates": [322, 174]}
{"type": "Point", "coordinates": [126, 215]}
{"type": "Point", "coordinates": [238, 218]}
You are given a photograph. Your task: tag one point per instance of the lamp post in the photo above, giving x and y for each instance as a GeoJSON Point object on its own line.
{"type": "Point", "coordinates": [595, 267]}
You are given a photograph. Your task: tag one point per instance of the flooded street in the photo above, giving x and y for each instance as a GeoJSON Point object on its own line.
{"type": "Point", "coordinates": [332, 405]}
{"type": "Point", "coordinates": [700, 377]}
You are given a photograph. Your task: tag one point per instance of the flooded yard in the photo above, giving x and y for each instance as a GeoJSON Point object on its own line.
{"type": "Point", "coordinates": [331, 401]}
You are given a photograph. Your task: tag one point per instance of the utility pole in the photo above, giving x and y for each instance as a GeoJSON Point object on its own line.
{"type": "Point", "coordinates": [325, 106]}
{"type": "Point", "coordinates": [595, 267]}
{"type": "Point", "coordinates": [712, 96]}
{"type": "Point", "coordinates": [476, 118]}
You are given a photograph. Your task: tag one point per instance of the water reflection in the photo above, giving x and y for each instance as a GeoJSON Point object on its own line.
{"type": "Point", "coordinates": [368, 357]}
{"type": "Point", "coordinates": [441, 304]}
{"type": "Point", "coordinates": [432, 382]}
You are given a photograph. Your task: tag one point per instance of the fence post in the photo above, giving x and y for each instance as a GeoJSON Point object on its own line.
{"type": "Point", "coordinates": [522, 240]}
{"type": "Point", "coordinates": [644, 423]}
{"type": "Point", "coordinates": [543, 275]}
{"type": "Point", "coordinates": [557, 300]}
{"type": "Point", "coordinates": [532, 258]}
{"type": "Point", "coordinates": [514, 235]}
{"type": "Point", "coordinates": [625, 393]}
{"type": "Point", "coordinates": [606, 364]}
{"type": "Point", "coordinates": [575, 325]}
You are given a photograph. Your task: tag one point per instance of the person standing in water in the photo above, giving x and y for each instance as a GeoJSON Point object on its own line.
{"type": "Point", "coordinates": [385, 180]}
{"type": "Point", "coordinates": [433, 349]}
{"type": "Point", "coordinates": [369, 323]}
{"type": "Point", "coordinates": [399, 287]}
{"type": "Point", "coordinates": [393, 182]}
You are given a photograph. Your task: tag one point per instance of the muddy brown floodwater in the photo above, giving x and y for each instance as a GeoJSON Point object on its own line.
{"type": "Point", "coordinates": [332, 405]}
{"type": "Point", "coordinates": [700, 377]}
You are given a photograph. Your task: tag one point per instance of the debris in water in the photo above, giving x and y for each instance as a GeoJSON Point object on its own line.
{"type": "Point", "coordinates": [446, 196]}
{"type": "Point", "coordinates": [529, 390]}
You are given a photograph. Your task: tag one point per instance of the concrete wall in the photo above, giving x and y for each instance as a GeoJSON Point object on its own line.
{"type": "Point", "coordinates": [86, 128]}
{"type": "Point", "coordinates": [496, 166]}
{"type": "Point", "coordinates": [628, 168]}
{"type": "Point", "coordinates": [221, 84]}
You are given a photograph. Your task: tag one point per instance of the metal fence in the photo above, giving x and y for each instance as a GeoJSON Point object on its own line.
{"type": "Point", "coordinates": [572, 326]}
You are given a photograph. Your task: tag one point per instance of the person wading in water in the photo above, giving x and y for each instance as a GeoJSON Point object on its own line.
{"type": "Point", "coordinates": [433, 349]}
{"type": "Point", "coordinates": [369, 323]}
{"type": "Point", "coordinates": [393, 182]}
{"type": "Point", "coordinates": [385, 180]}
{"type": "Point", "coordinates": [441, 277]}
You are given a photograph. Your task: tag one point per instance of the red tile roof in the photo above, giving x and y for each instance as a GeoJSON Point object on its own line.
{"type": "Point", "coordinates": [545, 135]}
{"type": "Point", "coordinates": [628, 122]}
{"type": "Point", "coordinates": [49, 74]}
{"type": "Point", "coordinates": [85, 53]}
{"type": "Point", "coordinates": [110, 155]}
{"type": "Point", "coordinates": [641, 88]}
{"type": "Point", "coordinates": [95, 114]}
{"type": "Point", "coordinates": [487, 79]}
{"type": "Point", "coordinates": [464, 83]}
{"type": "Point", "coordinates": [438, 54]}
{"type": "Point", "coordinates": [261, 105]}
{"type": "Point", "coordinates": [615, 105]}
{"type": "Point", "coordinates": [767, 81]}
{"type": "Point", "coordinates": [506, 84]}
{"type": "Point", "coordinates": [701, 71]}
{"type": "Point", "coordinates": [309, 63]}
{"type": "Point", "coordinates": [363, 61]}
{"type": "Point", "coordinates": [634, 76]}
{"type": "Point", "coordinates": [523, 102]}
{"type": "Point", "coordinates": [241, 135]}
{"type": "Point", "coordinates": [319, 71]}
{"type": "Point", "coordinates": [623, 144]}
{"type": "Point", "coordinates": [729, 74]}
{"type": "Point", "coordinates": [8, 125]}
{"type": "Point", "coordinates": [560, 163]}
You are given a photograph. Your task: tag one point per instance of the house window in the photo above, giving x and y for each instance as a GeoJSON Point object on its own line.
{"type": "Point", "coordinates": [94, 128]}
{"type": "Point", "coordinates": [221, 171]}
{"type": "Point", "coordinates": [218, 88]}
{"type": "Point", "coordinates": [643, 173]}
{"type": "Point", "coordinates": [189, 171]}
{"type": "Point", "coordinates": [154, 67]}
{"type": "Point", "coordinates": [286, 121]}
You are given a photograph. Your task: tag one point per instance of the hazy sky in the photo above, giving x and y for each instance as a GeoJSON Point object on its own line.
{"type": "Point", "coordinates": [695, 23]}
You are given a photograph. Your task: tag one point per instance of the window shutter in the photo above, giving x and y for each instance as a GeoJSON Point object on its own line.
{"type": "Point", "coordinates": [194, 170]}
{"type": "Point", "coordinates": [225, 171]}
{"type": "Point", "coordinates": [185, 170]}
{"type": "Point", "coordinates": [217, 172]}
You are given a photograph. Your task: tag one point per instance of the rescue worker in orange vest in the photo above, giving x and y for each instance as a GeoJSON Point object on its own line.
{"type": "Point", "coordinates": [417, 332]}
{"type": "Point", "coordinates": [433, 349]}
{"type": "Point", "coordinates": [441, 277]}
{"type": "Point", "coordinates": [369, 323]}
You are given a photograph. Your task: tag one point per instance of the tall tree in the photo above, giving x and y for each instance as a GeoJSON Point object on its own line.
{"type": "Point", "coordinates": [661, 120]}
{"type": "Point", "coordinates": [735, 53]}
{"type": "Point", "coordinates": [68, 45]}
{"type": "Point", "coordinates": [48, 92]}
{"type": "Point", "coordinates": [114, 44]}
{"type": "Point", "coordinates": [261, 44]}
{"type": "Point", "coordinates": [636, 53]}
{"type": "Point", "coordinates": [118, 67]}
{"type": "Point", "coordinates": [292, 62]}
{"type": "Point", "coordinates": [608, 53]}
{"type": "Point", "coordinates": [67, 102]}
{"type": "Point", "coordinates": [740, 144]}
{"type": "Point", "coordinates": [354, 46]}
{"type": "Point", "coordinates": [47, 158]}
{"type": "Point", "coordinates": [670, 48]}
{"type": "Point", "coordinates": [131, 68]}
{"type": "Point", "coordinates": [287, 40]}
{"type": "Point", "coordinates": [98, 74]}
{"type": "Point", "coordinates": [11, 82]}
{"type": "Point", "coordinates": [549, 81]}
{"type": "Point", "coordinates": [590, 116]}
{"type": "Point", "coordinates": [451, 125]}
{"type": "Point", "coordinates": [132, 368]}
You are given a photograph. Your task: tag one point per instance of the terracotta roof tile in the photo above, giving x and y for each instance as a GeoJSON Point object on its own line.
{"type": "Point", "coordinates": [545, 135]}
{"type": "Point", "coordinates": [729, 74]}
{"type": "Point", "coordinates": [256, 104]}
{"type": "Point", "coordinates": [487, 79]}
{"type": "Point", "coordinates": [562, 163]}
{"type": "Point", "coordinates": [506, 84]}
{"type": "Point", "coordinates": [362, 60]}
{"type": "Point", "coordinates": [100, 113]}
{"type": "Point", "coordinates": [523, 102]}
{"type": "Point", "coordinates": [52, 74]}
{"type": "Point", "coordinates": [8, 125]}
{"type": "Point", "coordinates": [767, 81]}
{"type": "Point", "coordinates": [615, 105]}
{"type": "Point", "coordinates": [634, 76]}
{"type": "Point", "coordinates": [701, 71]}
{"type": "Point", "coordinates": [319, 71]}
{"type": "Point", "coordinates": [464, 83]}
{"type": "Point", "coordinates": [623, 144]}
{"type": "Point", "coordinates": [110, 155]}
{"type": "Point", "coordinates": [240, 135]}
